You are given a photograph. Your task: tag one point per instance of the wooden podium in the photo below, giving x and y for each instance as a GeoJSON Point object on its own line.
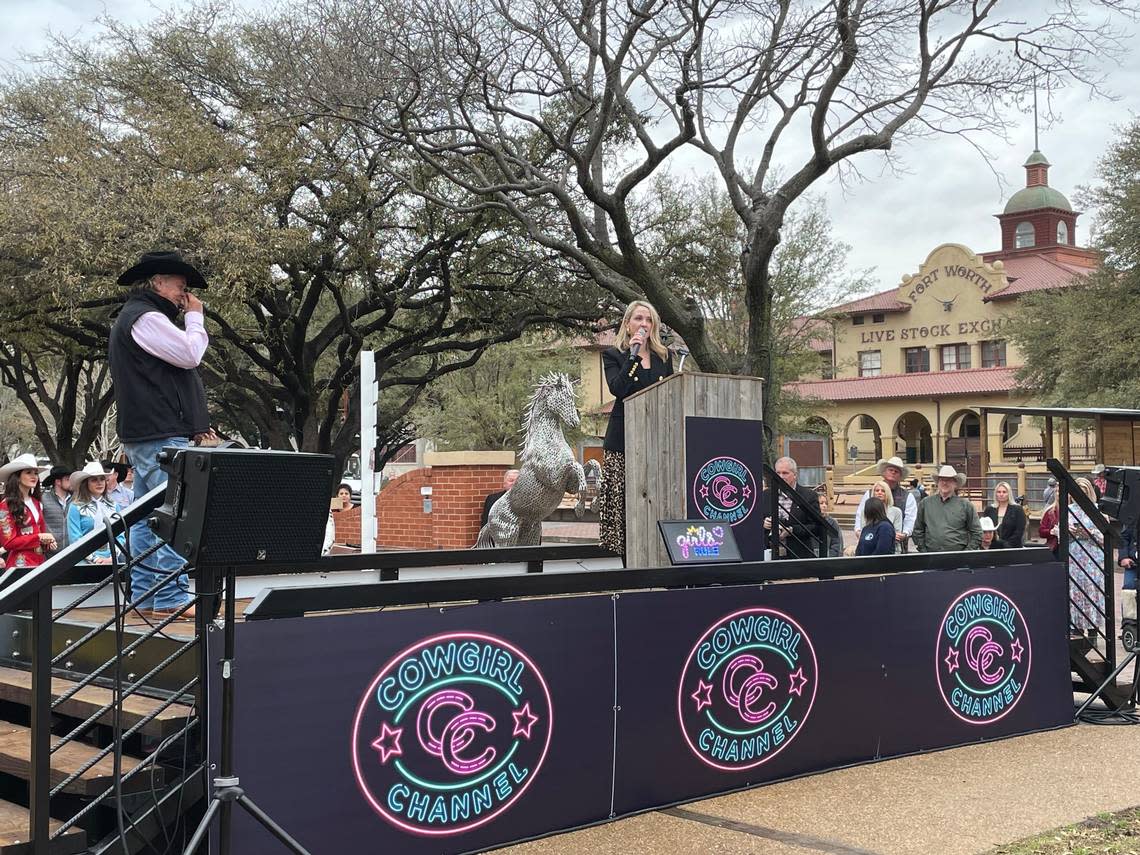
{"type": "Point", "coordinates": [694, 448]}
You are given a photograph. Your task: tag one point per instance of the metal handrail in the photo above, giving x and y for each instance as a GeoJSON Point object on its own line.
{"type": "Point", "coordinates": [1070, 491]}
{"type": "Point", "coordinates": [777, 486]}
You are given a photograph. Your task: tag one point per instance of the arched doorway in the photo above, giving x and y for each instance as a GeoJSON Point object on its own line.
{"type": "Point", "coordinates": [862, 440]}
{"type": "Point", "coordinates": [914, 432]}
{"type": "Point", "coordinates": [964, 445]}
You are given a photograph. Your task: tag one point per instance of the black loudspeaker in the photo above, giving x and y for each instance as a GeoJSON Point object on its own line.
{"type": "Point", "coordinates": [1121, 499]}
{"type": "Point", "coordinates": [239, 505]}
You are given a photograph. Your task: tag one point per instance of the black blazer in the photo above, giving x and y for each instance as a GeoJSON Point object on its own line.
{"type": "Point", "coordinates": [487, 502]}
{"type": "Point", "coordinates": [1011, 533]}
{"type": "Point", "coordinates": [617, 364]}
{"type": "Point", "coordinates": [802, 540]}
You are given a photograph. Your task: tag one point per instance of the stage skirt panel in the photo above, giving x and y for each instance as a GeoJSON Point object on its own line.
{"type": "Point", "coordinates": [611, 513]}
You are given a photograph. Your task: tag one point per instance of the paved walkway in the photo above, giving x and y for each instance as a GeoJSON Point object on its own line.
{"type": "Point", "coordinates": [955, 802]}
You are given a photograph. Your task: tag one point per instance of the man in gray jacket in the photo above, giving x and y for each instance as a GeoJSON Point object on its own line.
{"type": "Point", "coordinates": [57, 493]}
{"type": "Point", "coordinates": [947, 522]}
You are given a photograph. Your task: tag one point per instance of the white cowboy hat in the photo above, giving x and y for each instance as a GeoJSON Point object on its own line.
{"type": "Point", "coordinates": [19, 464]}
{"type": "Point", "coordinates": [987, 524]}
{"type": "Point", "coordinates": [946, 471]}
{"type": "Point", "coordinates": [895, 462]}
{"type": "Point", "coordinates": [1098, 469]}
{"type": "Point", "coordinates": [94, 468]}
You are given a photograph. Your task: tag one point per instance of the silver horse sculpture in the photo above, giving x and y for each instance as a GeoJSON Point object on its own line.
{"type": "Point", "coordinates": [547, 468]}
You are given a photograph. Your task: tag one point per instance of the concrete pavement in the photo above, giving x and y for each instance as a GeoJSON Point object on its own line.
{"type": "Point", "coordinates": [954, 802]}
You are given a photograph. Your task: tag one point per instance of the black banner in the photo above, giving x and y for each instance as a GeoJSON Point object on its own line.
{"type": "Point", "coordinates": [426, 730]}
{"type": "Point", "coordinates": [463, 728]}
{"type": "Point", "coordinates": [724, 465]}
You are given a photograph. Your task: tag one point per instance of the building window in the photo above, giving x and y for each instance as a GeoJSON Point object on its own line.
{"type": "Point", "coordinates": [1062, 232]}
{"type": "Point", "coordinates": [878, 319]}
{"type": "Point", "coordinates": [826, 369]}
{"type": "Point", "coordinates": [1024, 236]}
{"type": "Point", "coordinates": [993, 354]}
{"type": "Point", "coordinates": [916, 359]}
{"type": "Point", "coordinates": [858, 320]}
{"type": "Point", "coordinates": [870, 363]}
{"type": "Point", "coordinates": [955, 357]}
{"type": "Point", "coordinates": [867, 423]}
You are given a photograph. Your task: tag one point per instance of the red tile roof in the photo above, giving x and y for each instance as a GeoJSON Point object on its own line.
{"type": "Point", "coordinates": [934, 384]}
{"type": "Point", "coordinates": [884, 301]}
{"type": "Point", "coordinates": [1036, 273]}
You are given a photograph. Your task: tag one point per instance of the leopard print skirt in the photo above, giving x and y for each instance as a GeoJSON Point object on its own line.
{"type": "Point", "coordinates": [611, 496]}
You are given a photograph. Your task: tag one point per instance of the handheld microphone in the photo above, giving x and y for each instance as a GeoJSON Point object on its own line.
{"type": "Point", "coordinates": [634, 350]}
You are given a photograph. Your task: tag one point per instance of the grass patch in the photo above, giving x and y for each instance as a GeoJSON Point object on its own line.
{"type": "Point", "coordinates": [1103, 834]}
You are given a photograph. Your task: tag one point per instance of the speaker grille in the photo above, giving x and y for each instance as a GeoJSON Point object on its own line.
{"type": "Point", "coordinates": [263, 505]}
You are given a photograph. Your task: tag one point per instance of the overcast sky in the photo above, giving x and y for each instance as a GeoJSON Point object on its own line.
{"type": "Point", "coordinates": [948, 194]}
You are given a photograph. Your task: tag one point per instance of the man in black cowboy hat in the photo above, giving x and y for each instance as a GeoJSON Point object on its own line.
{"type": "Point", "coordinates": [159, 397]}
{"type": "Point", "coordinates": [57, 493]}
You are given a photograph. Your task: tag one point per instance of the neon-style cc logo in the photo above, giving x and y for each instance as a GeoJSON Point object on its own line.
{"type": "Point", "coordinates": [980, 657]}
{"type": "Point", "coordinates": [751, 690]}
{"type": "Point", "coordinates": [457, 734]}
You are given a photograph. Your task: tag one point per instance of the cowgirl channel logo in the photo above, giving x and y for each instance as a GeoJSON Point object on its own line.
{"type": "Point", "coordinates": [746, 689]}
{"type": "Point", "coordinates": [450, 733]}
{"type": "Point", "coordinates": [983, 656]}
{"type": "Point", "coordinates": [724, 490]}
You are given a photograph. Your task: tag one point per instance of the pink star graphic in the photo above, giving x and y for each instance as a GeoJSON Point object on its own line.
{"type": "Point", "coordinates": [703, 695]}
{"type": "Point", "coordinates": [521, 716]}
{"type": "Point", "coordinates": [705, 491]}
{"type": "Point", "coordinates": [798, 681]}
{"type": "Point", "coordinates": [747, 491]}
{"type": "Point", "coordinates": [951, 661]}
{"type": "Point", "coordinates": [1016, 649]}
{"type": "Point", "coordinates": [388, 743]}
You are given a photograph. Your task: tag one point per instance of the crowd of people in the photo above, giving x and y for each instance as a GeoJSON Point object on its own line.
{"type": "Point", "coordinates": [43, 511]}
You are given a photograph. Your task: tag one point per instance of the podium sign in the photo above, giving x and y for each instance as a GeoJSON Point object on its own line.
{"type": "Point", "coordinates": [663, 456]}
{"type": "Point", "coordinates": [724, 462]}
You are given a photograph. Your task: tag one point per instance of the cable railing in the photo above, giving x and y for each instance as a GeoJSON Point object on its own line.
{"type": "Point", "coordinates": [798, 529]}
{"type": "Point", "coordinates": [99, 734]}
{"type": "Point", "coordinates": [1089, 548]}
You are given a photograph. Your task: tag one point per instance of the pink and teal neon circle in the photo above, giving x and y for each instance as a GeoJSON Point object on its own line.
{"type": "Point", "coordinates": [450, 733]}
{"type": "Point", "coordinates": [983, 656]}
{"type": "Point", "coordinates": [747, 689]}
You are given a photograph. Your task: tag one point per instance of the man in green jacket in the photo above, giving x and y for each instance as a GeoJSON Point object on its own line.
{"type": "Point", "coordinates": [947, 522]}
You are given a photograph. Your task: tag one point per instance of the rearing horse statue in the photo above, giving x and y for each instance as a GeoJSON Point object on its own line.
{"type": "Point", "coordinates": [547, 468]}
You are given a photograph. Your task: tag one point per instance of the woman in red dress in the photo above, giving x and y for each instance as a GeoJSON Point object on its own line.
{"type": "Point", "coordinates": [23, 532]}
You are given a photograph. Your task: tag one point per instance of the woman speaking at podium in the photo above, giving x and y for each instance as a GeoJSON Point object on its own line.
{"type": "Point", "coordinates": [638, 360]}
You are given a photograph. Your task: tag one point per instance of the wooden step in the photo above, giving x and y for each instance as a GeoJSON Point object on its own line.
{"type": "Point", "coordinates": [16, 759]}
{"type": "Point", "coordinates": [15, 825]}
{"type": "Point", "coordinates": [16, 686]}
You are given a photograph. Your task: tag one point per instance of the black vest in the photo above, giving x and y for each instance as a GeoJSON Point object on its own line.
{"type": "Point", "coordinates": [154, 399]}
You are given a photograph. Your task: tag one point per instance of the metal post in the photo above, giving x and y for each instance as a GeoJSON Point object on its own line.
{"type": "Point", "coordinates": [368, 403]}
{"type": "Point", "coordinates": [39, 787]}
{"type": "Point", "coordinates": [226, 769]}
{"type": "Point", "coordinates": [1109, 598]}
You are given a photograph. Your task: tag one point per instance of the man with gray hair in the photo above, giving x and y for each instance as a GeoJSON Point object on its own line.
{"type": "Point", "coordinates": [797, 529]}
{"type": "Point", "coordinates": [509, 478]}
{"type": "Point", "coordinates": [160, 400]}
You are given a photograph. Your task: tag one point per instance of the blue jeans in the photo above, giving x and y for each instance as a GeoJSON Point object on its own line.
{"type": "Point", "coordinates": [148, 475]}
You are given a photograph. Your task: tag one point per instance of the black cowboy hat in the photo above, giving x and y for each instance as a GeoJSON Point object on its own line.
{"type": "Point", "coordinates": [120, 468]}
{"type": "Point", "coordinates": [56, 472]}
{"type": "Point", "coordinates": [162, 262]}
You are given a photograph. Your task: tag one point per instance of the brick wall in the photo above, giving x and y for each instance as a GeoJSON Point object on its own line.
{"type": "Point", "coordinates": [457, 501]}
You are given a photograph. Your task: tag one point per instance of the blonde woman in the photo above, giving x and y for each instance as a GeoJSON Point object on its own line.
{"type": "Point", "coordinates": [1008, 519]}
{"type": "Point", "coordinates": [1086, 565]}
{"type": "Point", "coordinates": [881, 490]}
{"type": "Point", "coordinates": [638, 360]}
